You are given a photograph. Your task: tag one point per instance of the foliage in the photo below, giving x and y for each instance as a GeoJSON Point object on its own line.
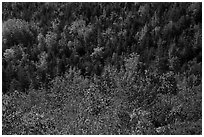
{"type": "Point", "coordinates": [102, 68]}
{"type": "Point", "coordinates": [16, 31]}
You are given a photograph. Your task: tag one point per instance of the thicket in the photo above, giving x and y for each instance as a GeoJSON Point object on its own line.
{"type": "Point", "coordinates": [102, 68]}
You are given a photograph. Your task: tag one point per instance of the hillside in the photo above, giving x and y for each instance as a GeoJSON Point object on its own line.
{"type": "Point", "coordinates": [101, 68]}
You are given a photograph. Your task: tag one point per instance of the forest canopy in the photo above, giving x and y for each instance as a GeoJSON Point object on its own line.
{"type": "Point", "coordinates": [99, 62]}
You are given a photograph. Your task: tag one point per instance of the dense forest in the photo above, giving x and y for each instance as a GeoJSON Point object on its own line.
{"type": "Point", "coordinates": [101, 68]}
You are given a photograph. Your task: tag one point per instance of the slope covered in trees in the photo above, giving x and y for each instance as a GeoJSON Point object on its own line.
{"type": "Point", "coordinates": [102, 68]}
